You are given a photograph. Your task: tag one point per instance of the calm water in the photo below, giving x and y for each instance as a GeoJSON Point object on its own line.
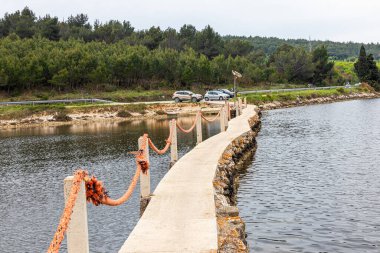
{"type": "Point", "coordinates": [314, 185]}
{"type": "Point", "coordinates": [34, 162]}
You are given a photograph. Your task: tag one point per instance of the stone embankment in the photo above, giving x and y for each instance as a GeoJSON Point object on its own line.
{"type": "Point", "coordinates": [192, 209]}
{"type": "Point", "coordinates": [319, 100]}
{"type": "Point", "coordinates": [231, 228]}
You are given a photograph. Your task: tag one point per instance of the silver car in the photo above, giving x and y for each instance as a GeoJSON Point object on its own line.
{"type": "Point", "coordinates": [216, 95]}
{"type": "Point", "coordinates": [185, 95]}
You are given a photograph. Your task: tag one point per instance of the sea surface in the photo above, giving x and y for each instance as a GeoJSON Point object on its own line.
{"type": "Point", "coordinates": [35, 161]}
{"type": "Point", "coordinates": [314, 184]}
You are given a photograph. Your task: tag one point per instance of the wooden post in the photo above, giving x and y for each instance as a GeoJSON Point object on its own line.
{"type": "Point", "coordinates": [236, 104]}
{"type": "Point", "coordinates": [199, 128]}
{"type": "Point", "coordinates": [77, 232]}
{"type": "Point", "coordinates": [173, 146]}
{"type": "Point", "coordinates": [144, 179]}
{"type": "Point", "coordinates": [226, 116]}
{"type": "Point", "coordinates": [240, 106]}
{"type": "Point", "coordinates": [245, 102]}
{"type": "Point", "coordinates": [221, 120]}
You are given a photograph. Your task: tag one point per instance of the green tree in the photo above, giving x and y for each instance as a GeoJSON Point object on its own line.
{"type": "Point", "coordinates": [361, 65]}
{"type": "Point", "coordinates": [208, 42]}
{"type": "Point", "coordinates": [322, 66]}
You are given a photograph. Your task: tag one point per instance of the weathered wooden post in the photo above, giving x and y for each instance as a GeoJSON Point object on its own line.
{"type": "Point", "coordinates": [77, 232]}
{"type": "Point", "coordinates": [240, 106]}
{"type": "Point", "coordinates": [199, 127]}
{"type": "Point", "coordinates": [226, 116]}
{"type": "Point", "coordinates": [221, 120]}
{"type": "Point", "coordinates": [245, 102]}
{"type": "Point", "coordinates": [173, 146]}
{"type": "Point", "coordinates": [144, 178]}
{"type": "Point", "coordinates": [236, 104]}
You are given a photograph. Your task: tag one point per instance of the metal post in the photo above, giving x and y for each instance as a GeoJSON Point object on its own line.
{"type": "Point", "coordinates": [199, 128]}
{"type": "Point", "coordinates": [77, 232]}
{"type": "Point", "coordinates": [173, 146]}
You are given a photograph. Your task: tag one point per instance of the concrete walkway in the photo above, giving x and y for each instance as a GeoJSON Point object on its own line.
{"type": "Point", "coordinates": [181, 215]}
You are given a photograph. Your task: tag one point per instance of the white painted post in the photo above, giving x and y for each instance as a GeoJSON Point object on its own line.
{"type": "Point", "coordinates": [245, 102]}
{"type": "Point", "coordinates": [199, 128]}
{"type": "Point", "coordinates": [240, 106]}
{"type": "Point", "coordinates": [173, 146]}
{"type": "Point", "coordinates": [236, 104]}
{"type": "Point", "coordinates": [226, 116]}
{"type": "Point", "coordinates": [221, 120]}
{"type": "Point", "coordinates": [77, 232]}
{"type": "Point", "coordinates": [144, 178]}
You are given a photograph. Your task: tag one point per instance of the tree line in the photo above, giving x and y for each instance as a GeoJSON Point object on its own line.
{"type": "Point", "coordinates": [45, 53]}
{"type": "Point", "coordinates": [26, 24]}
{"type": "Point", "coordinates": [66, 65]}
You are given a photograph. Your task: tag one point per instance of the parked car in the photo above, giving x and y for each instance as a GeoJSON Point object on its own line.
{"type": "Point", "coordinates": [185, 95]}
{"type": "Point", "coordinates": [228, 92]}
{"type": "Point", "coordinates": [216, 95]}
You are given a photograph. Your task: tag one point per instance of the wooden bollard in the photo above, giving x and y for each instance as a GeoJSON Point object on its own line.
{"type": "Point", "coordinates": [236, 104]}
{"type": "Point", "coordinates": [240, 105]}
{"type": "Point", "coordinates": [77, 232]}
{"type": "Point", "coordinates": [221, 120]}
{"type": "Point", "coordinates": [199, 127]}
{"type": "Point", "coordinates": [173, 146]}
{"type": "Point", "coordinates": [144, 179]}
{"type": "Point", "coordinates": [245, 102]}
{"type": "Point", "coordinates": [226, 116]}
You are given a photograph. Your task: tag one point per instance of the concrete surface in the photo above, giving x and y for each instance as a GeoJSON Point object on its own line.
{"type": "Point", "coordinates": [181, 214]}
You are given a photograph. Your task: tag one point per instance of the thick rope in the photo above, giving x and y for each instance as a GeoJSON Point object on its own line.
{"type": "Point", "coordinates": [59, 235]}
{"type": "Point", "coordinates": [213, 119]}
{"type": "Point", "coordinates": [186, 131]}
{"type": "Point", "coordinates": [168, 142]}
{"type": "Point", "coordinates": [96, 193]}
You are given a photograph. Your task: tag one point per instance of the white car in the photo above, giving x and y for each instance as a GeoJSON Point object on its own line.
{"type": "Point", "coordinates": [215, 95]}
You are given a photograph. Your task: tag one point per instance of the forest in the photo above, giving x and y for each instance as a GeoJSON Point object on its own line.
{"type": "Point", "coordinates": [43, 52]}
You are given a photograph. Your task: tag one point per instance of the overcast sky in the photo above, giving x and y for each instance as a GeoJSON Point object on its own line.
{"type": "Point", "coordinates": [337, 20]}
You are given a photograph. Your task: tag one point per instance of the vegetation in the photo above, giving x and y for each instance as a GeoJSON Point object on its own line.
{"type": "Point", "coordinates": [261, 98]}
{"type": "Point", "coordinates": [367, 70]}
{"type": "Point", "coordinates": [117, 62]}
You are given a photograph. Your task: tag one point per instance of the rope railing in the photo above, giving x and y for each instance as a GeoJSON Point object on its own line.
{"type": "Point", "coordinates": [168, 142]}
{"type": "Point", "coordinates": [213, 119]}
{"type": "Point", "coordinates": [186, 131]}
{"type": "Point", "coordinates": [96, 193]}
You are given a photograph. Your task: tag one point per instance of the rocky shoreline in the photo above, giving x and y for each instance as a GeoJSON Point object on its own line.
{"type": "Point", "coordinates": [100, 115]}
{"type": "Point", "coordinates": [318, 100]}
{"type": "Point", "coordinates": [231, 228]}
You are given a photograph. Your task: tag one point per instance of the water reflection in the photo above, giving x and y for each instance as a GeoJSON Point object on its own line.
{"type": "Point", "coordinates": [34, 162]}
{"type": "Point", "coordinates": [314, 184]}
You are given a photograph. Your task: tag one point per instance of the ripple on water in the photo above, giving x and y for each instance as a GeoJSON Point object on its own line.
{"type": "Point", "coordinates": [314, 183]}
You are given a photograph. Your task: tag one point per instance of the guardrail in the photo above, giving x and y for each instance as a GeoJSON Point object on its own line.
{"type": "Point", "coordinates": [57, 101]}
{"type": "Point", "coordinates": [285, 90]}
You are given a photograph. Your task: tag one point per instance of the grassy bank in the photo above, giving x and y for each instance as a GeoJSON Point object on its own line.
{"type": "Point", "coordinates": [294, 95]}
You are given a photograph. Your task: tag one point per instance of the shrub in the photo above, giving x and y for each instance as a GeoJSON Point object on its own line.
{"type": "Point", "coordinates": [341, 90]}
{"type": "Point", "coordinates": [62, 116]}
{"type": "Point", "coordinates": [123, 114]}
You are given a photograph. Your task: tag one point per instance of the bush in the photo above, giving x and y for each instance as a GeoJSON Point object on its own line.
{"type": "Point", "coordinates": [160, 112]}
{"type": "Point", "coordinates": [123, 114]}
{"type": "Point", "coordinates": [341, 90]}
{"type": "Point", "coordinates": [62, 116]}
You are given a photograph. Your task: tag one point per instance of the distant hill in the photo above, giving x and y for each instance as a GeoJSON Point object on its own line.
{"type": "Point", "coordinates": [337, 50]}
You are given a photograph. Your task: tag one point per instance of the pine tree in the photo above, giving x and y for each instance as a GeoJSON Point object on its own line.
{"type": "Point", "coordinates": [322, 65]}
{"type": "Point", "coordinates": [361, 66]}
